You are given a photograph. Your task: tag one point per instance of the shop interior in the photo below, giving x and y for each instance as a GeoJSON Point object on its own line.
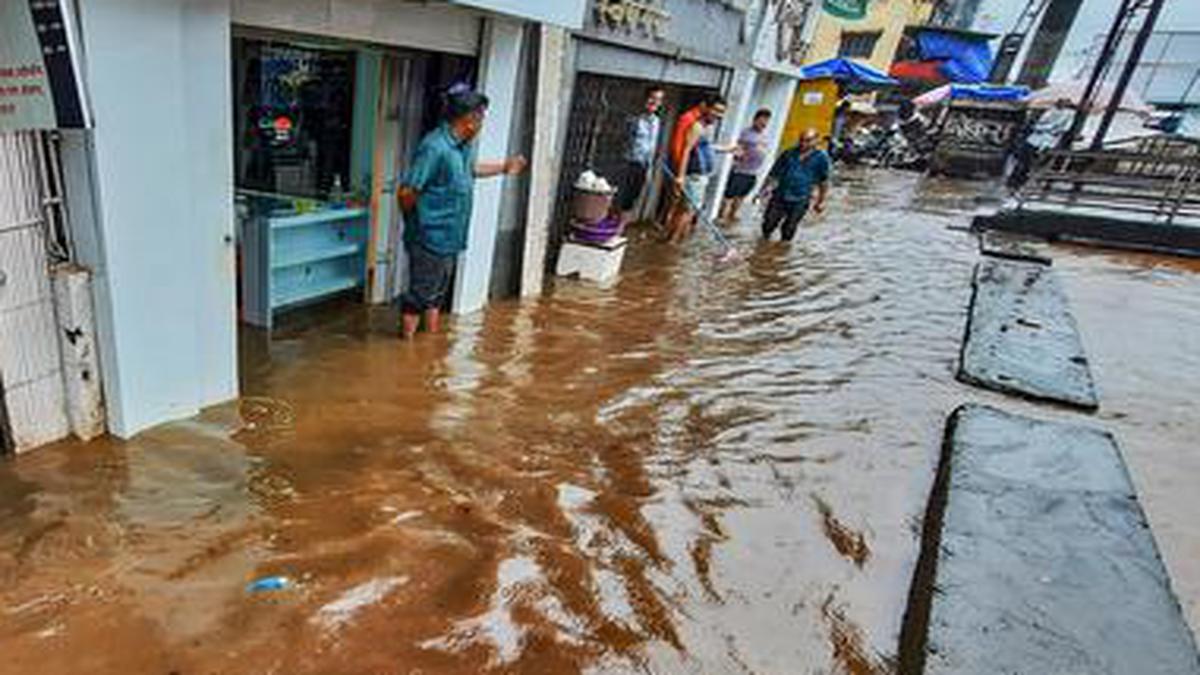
{"type": "Point", "coordinates": [323, 129]}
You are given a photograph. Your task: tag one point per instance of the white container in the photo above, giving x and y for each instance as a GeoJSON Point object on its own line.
{"type": "Point", "coordinates": [598, 263]}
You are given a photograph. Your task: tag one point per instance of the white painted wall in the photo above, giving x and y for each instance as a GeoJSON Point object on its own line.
{"type": "Point", "coordinates": [564, 13]}
{"type": "Point", "coordinates": [158, 227]}
{"type": "Point", "coordinates": [544, 164]}
{"type": "Point", "coordinates": [774, 92]}
{"type": "Point", "coordinates": [499, 63]}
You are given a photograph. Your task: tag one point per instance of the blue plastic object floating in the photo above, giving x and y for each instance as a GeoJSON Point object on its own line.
{"type": "Point", "coordinates": [277, 583]}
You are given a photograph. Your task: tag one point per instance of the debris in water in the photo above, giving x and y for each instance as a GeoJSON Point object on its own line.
{"type": "Point", "coordinates": [406, 516]}
{"type": "Point", "coordinates": [348, 604]}
{"type": "Point", "coordinates": [276, 583]}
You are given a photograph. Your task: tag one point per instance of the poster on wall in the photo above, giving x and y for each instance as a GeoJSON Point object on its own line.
{"type": "Point", "coordinates": [846, 9]}
{"type": "Point", "coordinates": [39, 87]}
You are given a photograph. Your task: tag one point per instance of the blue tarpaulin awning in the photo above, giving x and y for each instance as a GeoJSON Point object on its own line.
{"type": "Point", "coordinates": [848, 72]}
{"type": "Point", "coordinates": [963, 59]}
{"type": "Point", "coordinates": [989, 92]}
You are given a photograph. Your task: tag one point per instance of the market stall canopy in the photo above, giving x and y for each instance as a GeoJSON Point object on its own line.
{"type": "Point", "coordinates": [849, 72]}
{"type": "Point", "coordinates": [971, 92]}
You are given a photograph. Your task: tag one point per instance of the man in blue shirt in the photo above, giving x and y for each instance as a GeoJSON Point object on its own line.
{"type": "Point", "coordinates": [642, 146]}
{"type": "Point", "coordinates": [436, 197]}
{"type": "Point", "coordinates": [790, 184]}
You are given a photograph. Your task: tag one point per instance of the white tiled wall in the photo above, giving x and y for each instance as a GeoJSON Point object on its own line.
{"type": "Point", "coordinates": [30, 364]}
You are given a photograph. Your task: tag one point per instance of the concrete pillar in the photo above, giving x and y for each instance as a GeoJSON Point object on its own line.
{"type": "Point", "coordinates": [151, 198]}
{"type": "Point", "coordinates": [544, 163]}
{"type": "Point", "coordinates": [777, 92]}
{"type": "Point", "coordinates": [77, 342]}
{"type": "Point", "coordinates": [499, 63]}
{"type": "Point", "coordinates": [738, 117]}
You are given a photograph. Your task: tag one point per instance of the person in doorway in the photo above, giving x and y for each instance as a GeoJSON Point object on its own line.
{"type": "Point", "coordinates": [1044, 135]}
{"type": "Point", "coordinates": [837, 137]}
{"type": "Point", "coordinates": [435, 196]}
{"type": "Point", "coordinates": [751, 152]}
{"type": "Point", "coordinates": [641, 148]}
{"type": "Point", "coordinates": [790, 184]}
{"type": "Point", "coordinates": [693, 163]}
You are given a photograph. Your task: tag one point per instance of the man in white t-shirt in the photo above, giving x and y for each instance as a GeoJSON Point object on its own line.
{"type": "Point", "coordinates": [1043, 136]}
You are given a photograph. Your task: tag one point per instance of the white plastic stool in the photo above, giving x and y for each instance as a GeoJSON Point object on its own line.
{"type": "Point", "coordinates": [596, 262]}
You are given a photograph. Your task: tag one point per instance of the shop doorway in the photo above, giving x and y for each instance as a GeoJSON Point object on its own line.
{"type": "Point", "coordinates": [597, 134]}
{"type": "Point", "coordinates": [409, 106]}
{"type": "Point", "coordinates": [324, 131]}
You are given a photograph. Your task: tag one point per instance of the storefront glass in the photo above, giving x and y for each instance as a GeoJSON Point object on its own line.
{"type": "Point", "coordinates": [294, 108]}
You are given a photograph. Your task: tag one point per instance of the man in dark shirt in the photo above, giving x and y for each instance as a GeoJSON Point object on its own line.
{"type": "Point", "coordinates": [790, 185]}
{"type": "Point", "coordinates": [436, 197]}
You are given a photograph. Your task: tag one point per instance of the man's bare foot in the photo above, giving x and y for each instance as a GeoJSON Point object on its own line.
{"type": "Point", "coordinates": [433, 320]}
{"type": "Point", "coordinates": [408, 325]}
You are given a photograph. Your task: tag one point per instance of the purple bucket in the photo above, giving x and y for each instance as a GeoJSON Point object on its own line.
{"type": "Point", "coordinates": [597, 232]}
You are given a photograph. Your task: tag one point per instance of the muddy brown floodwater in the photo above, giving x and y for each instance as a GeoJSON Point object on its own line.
{"type": "Point", "coordinates": [702, 470]}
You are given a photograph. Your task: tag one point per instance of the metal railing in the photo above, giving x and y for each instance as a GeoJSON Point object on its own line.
{"type": "Point", "coordinates": [1153, 177]}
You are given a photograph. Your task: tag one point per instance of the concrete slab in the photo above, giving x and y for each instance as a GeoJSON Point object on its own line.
{"type": "Point", "coordinates": [1013, 246]}
{"type": "Point", "coordinates": [1021, 337]}
{"type": "Point", "coordinates": [1045, 562]}
{"type": "Point", "coordinates": [1110, 230]}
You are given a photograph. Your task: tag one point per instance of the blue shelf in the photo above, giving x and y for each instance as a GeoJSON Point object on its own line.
{"type": "Point", "coordinates": [304, 257]}
{"type": "Point", "coordinates": [286, 297]}
{"type": "Point", "coordinates": [317, 217]}
{"type": "Point", "coordinates": [293, 259]}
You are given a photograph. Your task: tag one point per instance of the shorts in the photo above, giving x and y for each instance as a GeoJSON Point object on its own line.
{"type": "Point", "coordinates": [740, 185]}
{"type": "Point", "coordinates": [695, 187]}
{"type": "Point", "coordinates": [429, 276]}
{"type": "Point", "coordinates": [630, 184]}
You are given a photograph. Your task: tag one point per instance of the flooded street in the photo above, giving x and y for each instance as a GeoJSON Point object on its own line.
{"type": "Point", "coordinates": [706, 469]}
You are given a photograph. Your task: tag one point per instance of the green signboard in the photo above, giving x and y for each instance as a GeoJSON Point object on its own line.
{"type": "Point", "coordinates": [846, 9]}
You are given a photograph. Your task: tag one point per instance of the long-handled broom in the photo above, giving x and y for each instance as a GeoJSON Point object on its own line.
{"type": "Point", "coordinates": [728, 252]}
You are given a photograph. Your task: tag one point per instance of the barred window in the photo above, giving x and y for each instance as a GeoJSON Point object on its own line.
{"type": "Point", "coordinates": [858, 44]}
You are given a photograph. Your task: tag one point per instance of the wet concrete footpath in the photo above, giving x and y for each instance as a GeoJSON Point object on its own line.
{"type": "Point", "coordinates": [703, 470]}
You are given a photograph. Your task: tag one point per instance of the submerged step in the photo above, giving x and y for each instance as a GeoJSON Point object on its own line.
{"type": "Point", "coordinates": [1045, 562]}
{"type": "Point", "coordinates": [1116, 230]}
{"type": "Point", "coordinates": [1021, 337]}
{"type": "Point", "coordinates": [1014, 246]}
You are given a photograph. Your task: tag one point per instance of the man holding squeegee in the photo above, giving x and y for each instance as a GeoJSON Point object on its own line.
{"type": "Point", "coordinates": [693, 160]}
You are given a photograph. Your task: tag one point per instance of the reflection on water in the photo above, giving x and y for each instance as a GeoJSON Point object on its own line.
{"type": "Point", "coordinates": [704, 469]}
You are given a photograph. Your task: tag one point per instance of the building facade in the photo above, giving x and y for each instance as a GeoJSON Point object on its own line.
{"type": "Point", "coordinates": [871, 39]}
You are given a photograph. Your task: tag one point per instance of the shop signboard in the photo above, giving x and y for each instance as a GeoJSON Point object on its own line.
{"type": "Point", "coordinates": [697, 30]}
{"type": "Point", "coordinates": [565, 13]}
{"type": "Point", "coordinates": [847, 9]}
{"type": "Point", "coordinates": [38, 84]}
